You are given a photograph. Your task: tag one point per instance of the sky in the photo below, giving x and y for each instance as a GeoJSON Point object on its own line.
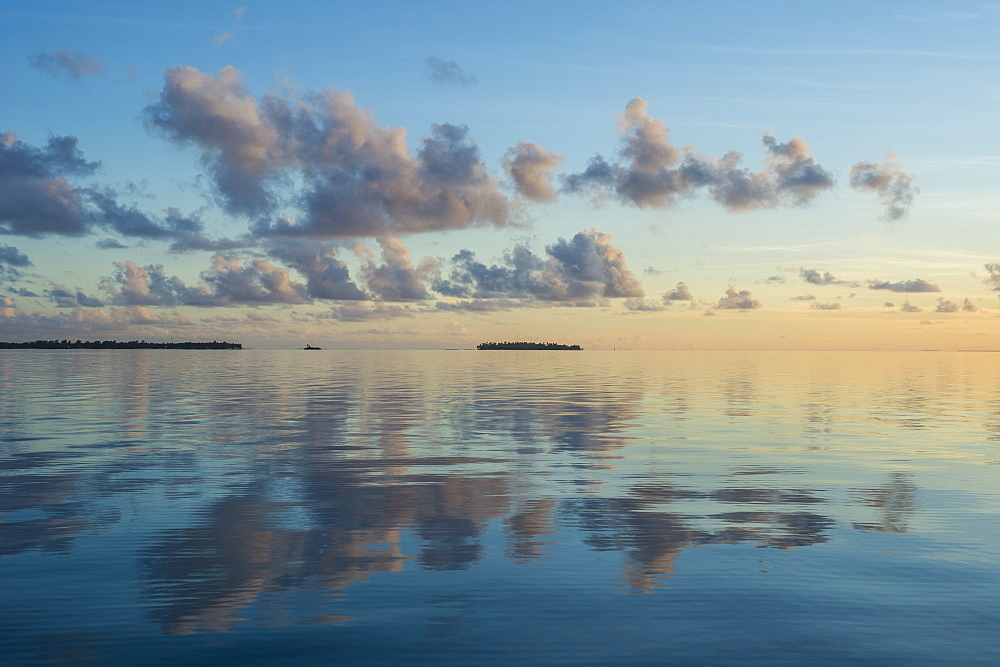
{"type": "Point", "coordinates": [684, 175]}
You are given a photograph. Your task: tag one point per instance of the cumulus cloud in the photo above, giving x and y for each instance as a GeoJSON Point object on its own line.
{"type": "Point", "coordinates": [356, 176]}
{"type": "Point", "coordinates": [395, 279]}
{"type": "Point", "coordinates": [258, 282]}
{"type": "Point", "coordinates": [888, 181]}
{"type": "Point", "coordinates": [679, 293]}
{"type": "Point", "coordinates": [327, 276]}
{"type": "Point", "coordinates": [37, 198]}
{"type": "Point", "coordinates": [12, 261]}
{"type": "Point", "coordinates": [917, 285]}
{"type": "Point", "coordinates": [651, 172]}
{"type": "Point", "coordinates": [738, 300]}
{"type": "Point", "coordinates": [447, 71]}
{"type": "Point", "coordinates": [804, 297]}
{"type": "Point", "coordinates": [908, 307]}
{"type": "Point", "coordinates": [90, 322]}
{"type": "Point", "coordinates": [67, 63]}
{"type": "Point", "coordinates": [644, 306]}
{"type": "Point", "coordinates": [530, 167]}
{"type": "Point", "coordinates": [579, 270]}
{"type": "Point", "coordinates": [110, 244]}
{"type": "Point", "coordinates": [827, 306]}
{"type": "Point", "coordinates": [993, 280]}
{"type": "Point", "coordinates": [814, 277]}
{"type": "Point", "coordinates": [64, 298]}
{"type": "Point", "coordinates": [227, 282]}
{"type": "Point", "coordinates": [945, 306]}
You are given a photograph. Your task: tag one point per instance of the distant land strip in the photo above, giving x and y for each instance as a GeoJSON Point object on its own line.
{"type": "Point", "coordinates": [521, 345]}
{"type": "Point", "coordinates": [117, 345]}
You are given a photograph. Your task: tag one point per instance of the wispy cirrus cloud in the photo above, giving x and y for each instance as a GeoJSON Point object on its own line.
{"type": "Point", "coordinates": [448, 72]}
{"type": "Point", "coordinates": [67, 64]}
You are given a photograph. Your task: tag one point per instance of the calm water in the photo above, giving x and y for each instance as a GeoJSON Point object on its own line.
{"type": "Point", "coordinates": [498, 507]}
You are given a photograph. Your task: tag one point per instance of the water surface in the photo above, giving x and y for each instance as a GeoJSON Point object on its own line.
{"type": "Point", "coordinates": [478, 507]}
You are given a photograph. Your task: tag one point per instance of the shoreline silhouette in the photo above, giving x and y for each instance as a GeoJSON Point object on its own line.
{"type": "Point", "coordinates": [522, 345]}
{"type": "Point", "coordinates": [118, 345]}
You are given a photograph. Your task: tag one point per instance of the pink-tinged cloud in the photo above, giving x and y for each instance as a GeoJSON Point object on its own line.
{"type": "Point", "coordinates": [357, 177]}
{"type": "Point", "coordinates": [582, 270]}
{"type": "Point", "coordinates": [888, 180]}
{"type": "Point", "coordinates": [738, 300]}
{"type": "Point", "coordinates": [653, 173]}
{"type": "Point", "coordinates": [531, 168]}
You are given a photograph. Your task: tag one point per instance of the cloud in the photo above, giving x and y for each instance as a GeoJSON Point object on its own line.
{"type": "Point", "coordinates": [357, 312]}
{"type": "Point", "coordinates": [222, 38]}
{"type": "Point", "coordinates": [642, 305]}
{"type": "Point", "coordinates": [258, 282]}
{"type": "Point", "coordinates": [68, 64]}
{"type": "Point", "coordinates": [478, 305]}
{"type": "Point", "coordinates": [327, 277]}
{"type": "Point", "coordinates": [530, 166]}
{"type": "Point", "coordinates": [655, 174]}
{"type": "Point", "coordinates": [917, 285]}
{"type": "Point", "coordinates": [827, 306]}
{"type": "Point", "coordinates": [11, 261]}
{"type": "Point", "coordinates": [89, 322]}
{"type": "Point", "coordinates": [229, 36]}
{"type": "Point", "coordinates": [395, 279]}
{"type": "Point", "coordinates": [738, 300]}
{"type": "Point", "coordinates": [993, 280]}
{"type": "Point", "coordinates": [814, 277]}
{"type": "Point", "coordinates": [579, 270]}
{"type": "Point", "coordinates": [227, 282]}
{"type": "Point", "coordinates": [888, 181]}
{"type": "Point", "coordinates": [133, 285]}
{"type": "Point", "coordinates": [110, 244]}
{"type": "Point", "coordinates": [680, 293]}
{"type": "Point", "coordinates": [804, 297]}
{"type": "Point", "coordinates": [447, 71]}
{"type": "Point", "coordinates": [352, 177]}
{"type": "Point", "coordinates": [908, 307]}
{"type": "Point", "coordinates": [36, 197]}
{"type": "Point", "coordinates": [64, 298]}
{"type": "Point", "coordinates": [947, 306]}
{"type": "Point", "coordinates": [128, 220]}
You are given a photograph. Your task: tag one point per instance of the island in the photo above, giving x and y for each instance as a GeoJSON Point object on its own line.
{"type": "Point", "coordinates": [117, 345]}
{"type": "Point", "coordinates": [521, 345]}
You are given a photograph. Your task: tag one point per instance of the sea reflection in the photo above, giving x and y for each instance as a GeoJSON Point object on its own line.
{"type": "Point", "coordinates": [268, 490]}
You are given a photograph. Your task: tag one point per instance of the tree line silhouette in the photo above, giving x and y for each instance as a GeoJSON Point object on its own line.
{"type": "Point", "coordinates": [521, 345]}
{"type": "Point", "coordinates": [118, 345]}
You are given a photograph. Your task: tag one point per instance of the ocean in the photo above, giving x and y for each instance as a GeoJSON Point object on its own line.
{"type": "Point", "coordinates": [499, 507]}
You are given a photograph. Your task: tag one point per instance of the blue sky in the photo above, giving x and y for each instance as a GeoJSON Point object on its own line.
{"type": "Point", "coordinates": [362, 247]}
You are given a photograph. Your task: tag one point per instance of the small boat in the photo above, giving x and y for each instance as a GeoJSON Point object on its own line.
{"type": "Point", "coordinates": [310, 347]}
